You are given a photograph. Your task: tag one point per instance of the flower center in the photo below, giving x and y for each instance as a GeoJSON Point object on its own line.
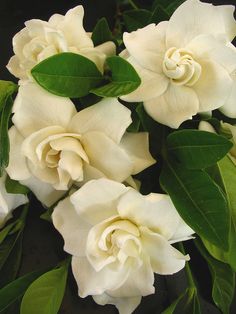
{"type": "Point", "coordinates": [180, 67]}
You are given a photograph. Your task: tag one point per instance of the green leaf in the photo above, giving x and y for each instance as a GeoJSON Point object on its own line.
{"type": "Point", "coordinates": [223, 279]}
{"type": "Point", "coordinates": [15, 187]}
{"type": "Point", "coordinates": [186, 303]}
{"type": "Point", "coordinates": [101, 33]}
{"type": "Point", "coordinates": [135, 19]}
{"type": "Point", "coordinates": [44, 296]}
{"type": "Point", "coordinates": [67, 74]}
{"type": "Point", "coordinates": [4, 232]}
{"type": "Point", "coordinates": [7, 88]}
{"type": "Point", "coordinates": [15, 290]}
{"type": "Point", "coordinates": [197, 149]}
{"type": "Point", "coordinates": [158, 15]}
{"type": "Point", "coordinates": [226, 175]}
{"type": "Point", "coordinates": [199, 201]}
{"type": "Point", "coordinates": [169, 5]}
{"type": "Point", "coordinates": [4, 139]}
{"type": "Point", "coordinates": [124, 79]}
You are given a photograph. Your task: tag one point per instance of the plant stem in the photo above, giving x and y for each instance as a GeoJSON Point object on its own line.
{"type": "Point", "coordinates": [188, 270]}
{"type": "Point", "coordinates": [133, 5]}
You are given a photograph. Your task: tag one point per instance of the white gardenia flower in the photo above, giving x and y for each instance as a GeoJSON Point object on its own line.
{"type": "Point", "coordinates": [40, 40]}
{"type": "Point", "coordinates": [52, 145]}
{"type": "Point", "coordinates": [187, 64]}
{"type": "Point", "coordinates": [8, 202]}
{"type": "Point", "coordinates": [119, 239]}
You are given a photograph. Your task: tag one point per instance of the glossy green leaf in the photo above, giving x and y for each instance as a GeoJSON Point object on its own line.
{"type": "Point", "coordinates": [223, 279]}
{"type": "Point", "coordinates": [169, 5]}
{"type": "Point", "coordinates": [101, 33]}
{"type": "Point", "coordinates": [196, 149]}
{"type": "Point", "coordinates": [15, 187]}
{"type": "Point", "coordinates": [135, 19]}
{"type": "Point", "coordinates": [124, 79]}
{"type": "Point", "coordinates": [7, 88]}
{"type": "Point", "coordinates": [199, 201]}
{"type": "Point", "coordinates": [15, 290]}
{"type": "Point", "coordinates": [44, 296]}
{"type": "Point", "coordinates": [67, 74]}
{"type": "Point", "coordinates": [158, 15]}
{"type": "Point", "coordinates": [4, 139]}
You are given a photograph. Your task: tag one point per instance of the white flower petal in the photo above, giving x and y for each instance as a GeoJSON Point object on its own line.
{"type": "Point", "coordinates": [176, 105]}
{"type": "Point", "coordinates": [165, 260]}
{"type": "Point", "coordinates": [147, 46]}
{"type": "Point", "coordinates": [137, 147]}
{"type": "Point", "coordinates": [35, 108]}
{"type": "Point", "coordinates": [213, 86]}
{"type": "Point", "coordinates": [72, 227]}
{"type": "Point", "coordinates": [44, 192]}
{"type": "Point", "coordinates": [91, 282]}
{"type": "Point", "coordinates": [152, 84]}
{"type": "Point", "coordinates": [105, 155]}
{"type": "Point", "coordinates": [17, 168]}
{"type": "Point", "coordinates": [73, 164]}
{"type": "Point", "coordinates": [124, 305]}
{"type": "Point", "coordinates": [91, 173]}
{"type": "Point", "coordinates": [96, 200]}
{"type": "Point", "coordinates": [183, 27]}
{"type": "Point", "coordinates": [108, 116]}
{"type": "Point", "coordinates": [229, 108]}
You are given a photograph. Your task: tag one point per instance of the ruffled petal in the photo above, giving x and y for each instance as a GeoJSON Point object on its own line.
{"type": "Point", "coordinates": [17, 168]}
{"type": "Point", "coordinates": [72, 227]}
{"type": "Point", "coordinates": [136, 146]}
{"type": "Point", "coordinates": [105, 155]}
{"type": "Point", "coordinates": [229, 108]}
{"type": "Point", "coordinates": [96, 201]}
{"type": "Point", "coordinates": [183, 27]}
{"type": "Point", "coordinates": [108, 116]}
{"type": "Point", "coordinates": [165, 259]}
{"type": "Point", "coordinates": [178, 104]}
{"type": "Point", "coordinates": [35, 108]}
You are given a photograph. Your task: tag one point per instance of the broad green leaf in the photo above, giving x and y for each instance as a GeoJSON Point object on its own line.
{"type": "Point", "coordinates": [4, 232]}
{"type": "Point", "coordinates": [124, 79]}
{"type": "Point", "coordinates": [44, 296]}
{"type": "Point", "coordinates": [67, 74]}
{"type": "Point", "coordinates": [15, 187]}
{"type": "Point", "coordinates": [196, 149]}
{"type": "Point", "coordinates": [7, 88]}
{"type": "Point", "coordinates": [4, 139]}
{"type": "Point", "coordinates": [186, 303]}
{"type": "Point", "coordinates": [199, 201]}
{"type": "Point", "coordinates": [223, 278]}
{"type": "Point", "coordinates": [101, 33]}
{"type": "Point", "coordinates": [135, 19]}
{"type": "Point", "coordinates": [15, 290]}
{"type": "Point", "coordinates": [169, 5]}
{"type": "Point", "coordinates": [158, 15]}
{"type": "Point", "coordinates": [227, 176]}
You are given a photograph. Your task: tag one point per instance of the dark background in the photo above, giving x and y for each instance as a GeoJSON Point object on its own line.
{"type": "Point", "coordinates": [42, 245]}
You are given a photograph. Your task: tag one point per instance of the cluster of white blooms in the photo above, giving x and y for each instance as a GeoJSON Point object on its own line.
{"type": "Point", "coordinates": [118, 238]}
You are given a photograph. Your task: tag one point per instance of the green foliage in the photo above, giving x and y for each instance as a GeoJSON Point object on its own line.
{"type": "Point", "coordinates": [199, 201]}
{"type": "Point", "coordinates": [158, 15]}
{"type": "Point", "coordinates": [101, 33]}
{"type": "Point", "coordinates": [135, 19]}
{"type": "Point", "coordinates": [124, 79]}
{"type": "Point", "coordinates": [7, 88]}
{"type": "Point", "coordinates": [168, 5]}
{"type": "Point", "coordinates": [197, 149]}
{"type": "Point", "coordinates": [67, 74]}
{"type": "Point", "coordinates": [44, 295]}
{"type": "Point", "coordinates": [223, 278]}
{"type": "Point", "coordinates": [15, 187]}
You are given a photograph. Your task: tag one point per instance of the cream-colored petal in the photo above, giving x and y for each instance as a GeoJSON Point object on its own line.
{"type": "Point", "coordinates": [91, 173]}
{"type": "Point", "coordinates": [124, 305]}
{"type": "Point", "coordinates": [229, 108]}
{"type": "Point", "coordinates": [72, 227]}
{"type": "Point", "coordinates": [96, 200]}
{"type": "Point", "coordinates": [165, 259]}
{"type": "Point", "coordinates": [105, 155]}
{"type": "Point", "coordinates": [155, 211]}
{"type": "Point", "coordinates": [73, 164]}
{"type": "Point", "coordinates": [213, 86]}
{"type": "Point", "coordinates": [108, 48]}
{"type": "Point", "coordinates": [147, 46]}
{"type": "Point", "coordinates": [72, 27]}
{"type": "Point", "coordinates": [8, 202]}
{"type": "Point", "coordinates": [91, 282]}
{"type": "Point", "coordinates": [176, 105]}
{"type": "Point", "coordinates": [152, 84]}
{"type": "Point", "coordinates": [95, 56]}
{"type": "Point", "coordinates": [44, 192]}
{"type": "Point", "coordinates": [35, 108]}
{"type": "Point", "coordinates": [137, 147]}
{"type": "Point", "coordinates": [17, 168]}
{"type": "Point", "coordinates": [183, 27]}
{"type": "Point", "coordinates": [108, 116]}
